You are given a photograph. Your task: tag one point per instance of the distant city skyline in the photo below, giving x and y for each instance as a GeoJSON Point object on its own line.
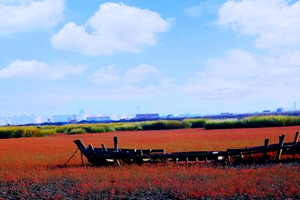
{"type": "Point", "coordinates": [166, 57]}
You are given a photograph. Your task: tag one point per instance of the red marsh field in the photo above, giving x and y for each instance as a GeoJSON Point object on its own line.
{"type": "Point", "coordinates": [30, 168]}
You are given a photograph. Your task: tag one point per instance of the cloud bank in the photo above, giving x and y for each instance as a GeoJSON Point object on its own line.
{"type": "Point", "coordinates": [242, 75]}
{"type": "Point", "coordinates": [275, 23]}
{"type": "Point", "coordinates": [110, 75]}
{"type": "Point", "coordinates": [38, 70]}
{"type": "Point", "coordinates": [26, 15]}
{"type": "Point", "coordinates": [113, 28]}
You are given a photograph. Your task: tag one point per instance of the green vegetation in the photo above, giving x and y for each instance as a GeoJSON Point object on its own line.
{"type": "Point", "coordinates": [196, 123]}
{"type": "Point", "coordinates": [161, 125]}
{"type": "Point", "coordinates": [253, 122]}
{"type": "Point", "coordinates": [129, 127]}
{"type": "Point", "coordinates": [222, 124]}
{"type": "Point", "coordinates": [77, 131]}
{"type": "Point", "coordinates": [97, 129]}
{"type": "Point", "coordinates": [250, 122]}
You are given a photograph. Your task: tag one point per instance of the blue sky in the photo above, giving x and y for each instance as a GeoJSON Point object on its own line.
{"type": "Point", "coordinates": [112, 57]}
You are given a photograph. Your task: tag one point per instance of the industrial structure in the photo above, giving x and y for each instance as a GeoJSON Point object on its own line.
{"type": "Point", "coordinates": [84, 117]}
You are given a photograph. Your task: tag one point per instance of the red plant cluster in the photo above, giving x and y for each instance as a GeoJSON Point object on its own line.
{"type": "Point", "coordinates": [30, 168]}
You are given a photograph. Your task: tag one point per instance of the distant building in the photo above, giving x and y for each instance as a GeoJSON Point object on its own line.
{"type": "Point", "coordinates": [25, 119]}
{"type": "Point", "coordinates": [71, 118]}
{"type": "Point", "coordinates": [225, 113]}
{"type": "Point", "coordinates": [170, 116]}
{"type": "Point", "coordinates": [266, 111]}
{"type": "Point", "coordinates": [147, 116]}
{"type": "Point", "coordinates": [63, 118]}
{"type": "Point", "coordinates": [4, 121]}
{"type": "Point", "coordinates": [98, 119]}
{"type": "Point", "coordinates": [46, 119]}
{"type": "Point", "coordinates": [281, 109]}
{"type": "Point", "coordinates": [82, 115]}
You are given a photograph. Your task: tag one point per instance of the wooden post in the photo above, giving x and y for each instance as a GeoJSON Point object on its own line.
{"type": "Point", "coordinates": [266, 147]}
{"type": "Point", "coordinates": [281, 140]}
{"type": "Point", "coordinates": [116, 144]}
{"type": "Point", "coordinates": [81, 159]}
{"type": "Point", "coordinates": [117, 162]}
{"type": "Point", "coordinates": [241, 156]}
{"type": "Point", "coordinates": [251, 155]}
{"type": "Point", "coordinates": [296, 138]}
{"type": "Point", "coordinates": [104, 147]}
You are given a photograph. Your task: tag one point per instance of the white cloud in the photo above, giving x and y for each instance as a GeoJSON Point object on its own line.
{"type": "Point", "coordinates": [115, 28]}
{"type": "Point", "coordinates": [37, 70]}
{"type": "Point", "coordinates": [105, 76]}
{"type": "Point", "coordinates": [242, 75]}
{"type": "Point", "coordinates": [141, 72]}
{"type": "Point", "coordinates": [194, 12]}
{"type": "Point", "coordinates": [24, 15]}
{"type": "Point", "coordinates": [109, 75]}
{"type": "Point", "coordinates": [203, 8]}
{"type": "Point", "coordinates": [275, 23]}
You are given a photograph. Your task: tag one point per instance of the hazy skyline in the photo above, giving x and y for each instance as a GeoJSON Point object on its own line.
{"type": "Point", "coordinates": [151, 56]}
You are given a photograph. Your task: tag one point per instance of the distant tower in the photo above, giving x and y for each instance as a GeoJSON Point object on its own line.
{"type": "Point", "coordinates": [294, 103]}
{"type": "Point", "coordinates": [82, 115]}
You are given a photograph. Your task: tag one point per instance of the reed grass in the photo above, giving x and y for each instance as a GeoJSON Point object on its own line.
{"type": "Point", "coordinates": [196, 123]}
{"type": "Point", "coordinates": [253, 122]}
{"type": "Point", "coordinates": [249, 122]}
{"type": "Point", "coordinates": [161, 125]}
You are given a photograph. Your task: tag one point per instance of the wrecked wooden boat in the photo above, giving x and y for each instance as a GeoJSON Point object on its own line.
{"type": "Point", "coordinates": [117, 156]}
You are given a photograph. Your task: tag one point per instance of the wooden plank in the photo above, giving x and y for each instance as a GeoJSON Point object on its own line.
{"type": "Point", "coordinates": [163, 151]}
{"type": "Point", "coordinates": [116, 144]}
{"type": "Point", "coordinates": [248, 149]}
{"type": "Point", "coordinates": [296, 138]}
{"type": "Point", "coordinates": [80, 144]}
{"type": "Point", "coordinates": [266, 148]}
{"type": "Point", "coordinates": [281, 140]}
{"type": "Point", "coordinates": [104, 147]}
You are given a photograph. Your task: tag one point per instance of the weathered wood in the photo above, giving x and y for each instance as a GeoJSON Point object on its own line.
{"type": "Point", "coordinates": [281, 140]}
{"type": "Point", "coordinates": [104, 147]}
{"type": "Point", "coordinates": [117, 162]}
{"type": "Point", "coordinates": [116, 144]}
{"type": "Point", "coordinates": [162, 151]}
{"type": "Point", "coordinates": [266, 148]}
{"type": "Point", "coordinates": [116, 156]}
{"type": "Point", "coordinates": [80, 144]}
{"type": "Point", "coordinates": [296, 137]}
{"type": "Point", "coordinates": [241, 156]}
{"type": "Point", "coordinates": [81, 158]}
